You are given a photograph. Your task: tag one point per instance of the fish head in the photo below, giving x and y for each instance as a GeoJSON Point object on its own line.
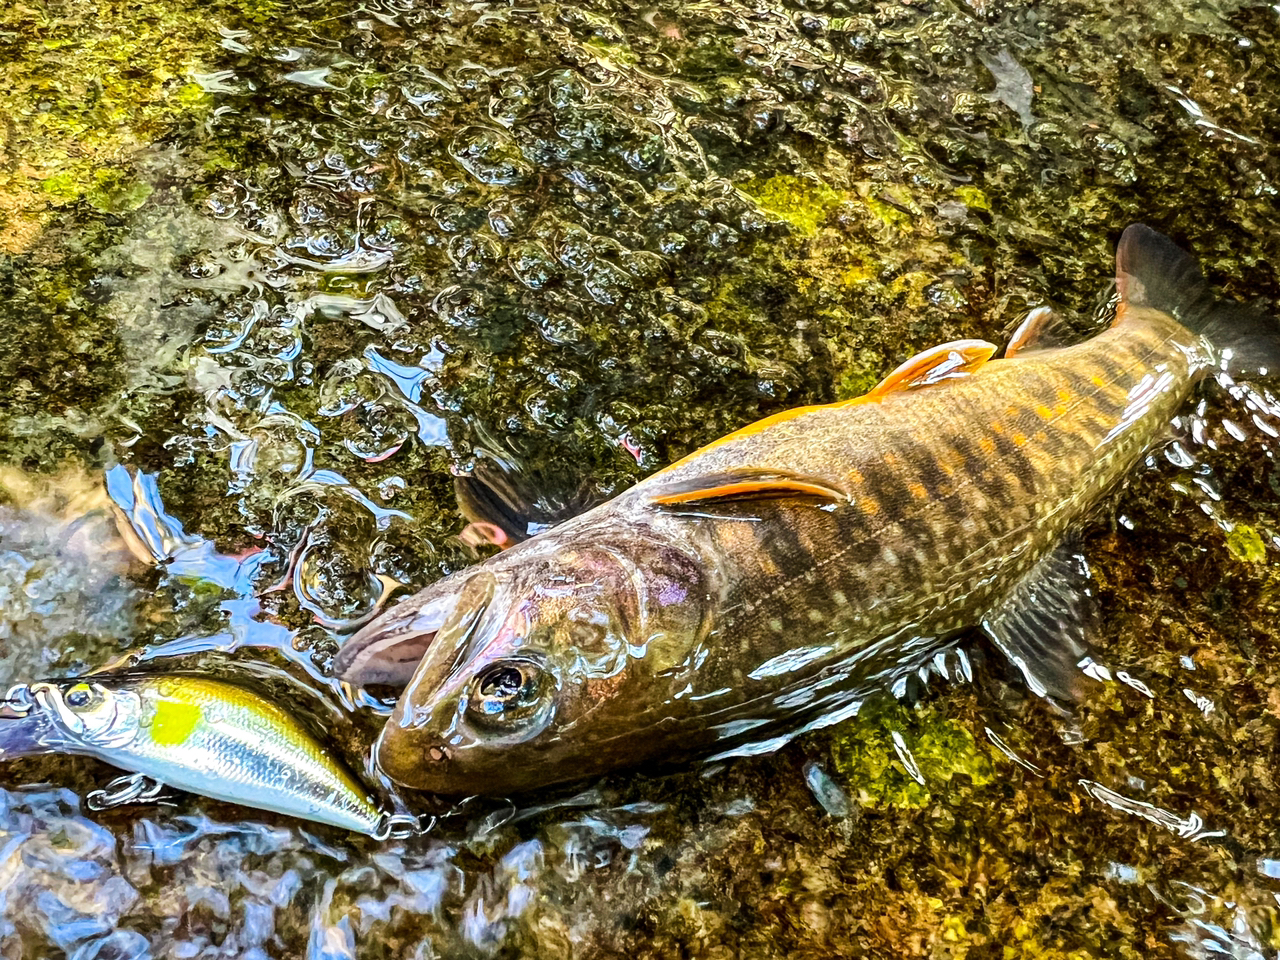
{"type": "Point", "coordinates": [534, 657]}
{"type": "Point", "coordinates": [90, 713]}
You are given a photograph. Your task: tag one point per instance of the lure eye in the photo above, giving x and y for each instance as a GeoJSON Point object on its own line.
{"type": "Point", "coordinates": [509, 694]}
{"type": "Point", "coordinates": [82, 697]}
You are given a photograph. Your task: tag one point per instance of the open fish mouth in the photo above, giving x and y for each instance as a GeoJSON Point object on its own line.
{"type": "Point", "coordinates": [27, 727]}
{"type": "Point", "coordinates": [388, 652]}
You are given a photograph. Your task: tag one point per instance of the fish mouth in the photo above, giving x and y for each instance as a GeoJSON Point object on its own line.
{"type": "Point", "coordinates": [388, 651]}
{"type": "Point", "coordinates": [28, 728]}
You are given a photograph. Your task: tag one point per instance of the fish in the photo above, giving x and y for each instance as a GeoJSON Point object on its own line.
{"type": "Point", "coordinates": [204, 736]}
{"type": "Point", "coordinates": [770, 582]}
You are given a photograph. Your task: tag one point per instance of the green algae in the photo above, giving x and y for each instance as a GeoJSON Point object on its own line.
{"type": "Point", "coordinates": [861, 376]}
{"type": "Point", "coordinates": [973, 198]}
{"type": "Point", "coordinates": [804, 202]}
{"type": "Point", "coordinates": [1245, 544]}
{"type": "Point", "coordinates": [104, 189]}
{"type": "Point", "coordinates": [888, 214]}
{"type": "Point", "coordinates": [863, 751]}
{"type": "Point", "coordinates": [85, 93]}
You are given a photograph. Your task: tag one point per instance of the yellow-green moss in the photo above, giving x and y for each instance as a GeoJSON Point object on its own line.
{"type": "Point", "coordinates": [910, 286]}
{"type": "Point", "coordinates": [804, 202]}
{"type": "Point", "coordinates": [886, 213]}
{"type": "Point", "coordinates": [862, 751]}
{"type": "Point", "coordinates": [85, 88]}
{"type": "Point", "coordinates": [106, 189]}
{"type": "Point", "coordinates": [973, 198]}
{"type": "Point", "coordinates": [859, 276]}
{"type": "Point", "coordinates": [1245, 544]}
{"type": "Point", "coordinates": [861, 376]}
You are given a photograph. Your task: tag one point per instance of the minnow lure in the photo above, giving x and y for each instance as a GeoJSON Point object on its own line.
{"type": "Point", "coordinates": [203, 736]}
{"type": "Point", "coordinates": [768, 582]}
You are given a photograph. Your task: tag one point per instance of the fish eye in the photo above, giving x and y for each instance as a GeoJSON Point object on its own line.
{"type": "Point", "coordinates": [509, 693]}
{"type": "Point", "coordinates": [501, 685]}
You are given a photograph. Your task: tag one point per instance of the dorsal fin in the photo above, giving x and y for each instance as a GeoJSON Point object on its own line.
{"type": "Point", "coordinates": [748, 483]}
{"type": "Point", "coordinates": [947, 361]}
{"type": "Point", "coordinates": [1039, 330]}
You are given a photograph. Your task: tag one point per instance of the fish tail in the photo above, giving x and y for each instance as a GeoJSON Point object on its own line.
{"type": "Point", "coordinates": [1154, 272]}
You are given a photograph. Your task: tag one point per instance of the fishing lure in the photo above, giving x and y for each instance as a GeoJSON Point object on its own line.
{"type": "Point", "coordinates": [200, 735]}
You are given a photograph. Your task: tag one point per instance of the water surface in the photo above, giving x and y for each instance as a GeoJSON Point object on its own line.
{"type": "Point", "coordinates": [273, 273]}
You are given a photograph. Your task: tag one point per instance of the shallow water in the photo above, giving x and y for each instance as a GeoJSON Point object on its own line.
{"type": "Point", "coordinates": [273, 273]}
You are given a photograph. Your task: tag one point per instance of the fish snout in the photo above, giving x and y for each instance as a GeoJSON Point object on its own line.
{"type": "Point", "coordinates": [419, 764]}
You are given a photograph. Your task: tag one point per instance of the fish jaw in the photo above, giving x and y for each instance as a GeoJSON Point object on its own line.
{"type": "Point", "coordinates": [387, 651]}
{"type": "Point", "coordinates": [460, 770]}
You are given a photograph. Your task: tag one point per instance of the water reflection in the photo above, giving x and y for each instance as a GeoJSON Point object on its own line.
{"type": "Point", "coordinates": [67, 580]}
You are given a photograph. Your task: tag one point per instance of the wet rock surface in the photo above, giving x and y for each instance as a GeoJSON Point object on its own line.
{"type": "Point", "coordinates": [278, 272]}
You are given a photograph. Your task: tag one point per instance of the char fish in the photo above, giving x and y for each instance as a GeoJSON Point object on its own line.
{"type": "Point", "coordinates": [766, 583]}
{"type": "Point", "coordinates": [204, 736]}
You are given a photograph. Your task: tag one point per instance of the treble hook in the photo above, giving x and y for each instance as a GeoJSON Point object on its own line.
{"type": "Point", "coordinates": [401, 826]}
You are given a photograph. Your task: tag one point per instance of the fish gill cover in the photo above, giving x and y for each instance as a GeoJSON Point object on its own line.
{"type": "Point", "coordinates": [287, 267]}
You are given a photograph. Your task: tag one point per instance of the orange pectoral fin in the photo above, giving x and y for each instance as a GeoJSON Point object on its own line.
{"type": "Point", "coordinates": [748, 484]}
{"type": "Point", "coordinates": [947, 361]}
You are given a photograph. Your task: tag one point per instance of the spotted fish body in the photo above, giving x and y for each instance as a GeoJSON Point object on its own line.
{"type": "Point", "coordinates": [953, 491]}
{"type": "Point", "coordinates": [768, 582]}
{"type": "Point", "coordinates": [211, 738]}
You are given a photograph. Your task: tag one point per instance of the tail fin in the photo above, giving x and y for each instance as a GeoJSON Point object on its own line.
{"type": "Point", "coordinates": [1152, 271]}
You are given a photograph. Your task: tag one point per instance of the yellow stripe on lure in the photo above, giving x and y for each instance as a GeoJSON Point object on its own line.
{"type": "Point", "coordinates": [207, 737]}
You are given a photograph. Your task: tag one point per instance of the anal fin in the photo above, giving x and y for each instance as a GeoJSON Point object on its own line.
{"type": "Point", "coordinates": [1042, 626]}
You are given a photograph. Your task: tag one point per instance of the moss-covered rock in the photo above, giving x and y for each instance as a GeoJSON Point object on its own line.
{"type": "Point", "coordinates": [84, 92]}
{"type": "Point", "coordinates": [1245, 544]}
{"type": "Point", "coordinates": [894, 756]}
